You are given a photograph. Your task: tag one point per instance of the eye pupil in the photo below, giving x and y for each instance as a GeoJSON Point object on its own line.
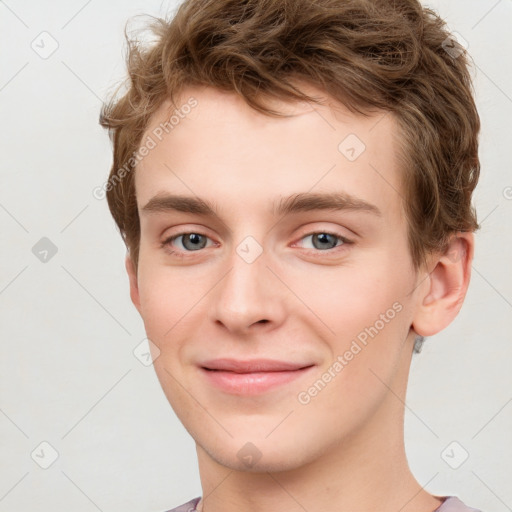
{"type": "Point", "coordinates": [195, 240]}
{"type": "Point", "coordinates": [323, 238]}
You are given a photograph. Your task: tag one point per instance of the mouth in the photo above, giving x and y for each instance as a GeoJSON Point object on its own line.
{"type": "Point", "coordinates": [252, 377]}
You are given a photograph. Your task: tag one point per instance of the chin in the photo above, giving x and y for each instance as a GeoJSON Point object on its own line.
{"type": "Point", "coordinates": [260, 455]}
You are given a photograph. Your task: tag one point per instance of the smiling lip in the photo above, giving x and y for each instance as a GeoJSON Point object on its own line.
{"type": "Point", "coordinates": [251, 377]}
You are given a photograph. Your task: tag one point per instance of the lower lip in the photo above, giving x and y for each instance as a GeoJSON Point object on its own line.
{"type": "Point", "coordinates": [252, 383]}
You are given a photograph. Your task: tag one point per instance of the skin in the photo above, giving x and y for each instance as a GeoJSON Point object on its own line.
{"type": "Point", "coordinates": [298, 301]}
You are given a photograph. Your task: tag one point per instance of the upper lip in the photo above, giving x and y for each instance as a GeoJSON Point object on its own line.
{"type": "Point", "coordinates": [252, 365]}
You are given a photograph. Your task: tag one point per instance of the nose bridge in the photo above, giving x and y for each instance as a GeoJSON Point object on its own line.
{"type": "Point", "coordinates": [247, 294]}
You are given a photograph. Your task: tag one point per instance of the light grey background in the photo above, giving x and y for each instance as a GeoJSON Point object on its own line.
{"type": "Point", "coordinates": [68, 329]}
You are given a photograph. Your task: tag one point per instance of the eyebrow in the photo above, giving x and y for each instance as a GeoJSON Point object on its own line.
{"type": "Point", "coordinates": [301, 202]}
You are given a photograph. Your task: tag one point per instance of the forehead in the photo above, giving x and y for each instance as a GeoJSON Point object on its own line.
{"type": "Point", "coordinates": [215, 145]}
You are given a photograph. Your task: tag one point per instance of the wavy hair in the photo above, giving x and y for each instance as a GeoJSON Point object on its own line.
{"type": "Point", "coordinates": [395, 56]}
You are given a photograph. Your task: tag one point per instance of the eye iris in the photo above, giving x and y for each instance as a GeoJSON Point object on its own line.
{"type": "Point", "coordinates": [324, 238]}
{"type": "Point", "coordinates": [195, 239]}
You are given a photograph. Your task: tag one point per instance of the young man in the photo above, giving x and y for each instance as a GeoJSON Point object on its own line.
{"type": "Point", "coordinates": [293, 182]}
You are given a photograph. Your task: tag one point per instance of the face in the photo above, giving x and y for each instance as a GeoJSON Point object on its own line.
{"type": "Point", "coordinates": [281, 317]}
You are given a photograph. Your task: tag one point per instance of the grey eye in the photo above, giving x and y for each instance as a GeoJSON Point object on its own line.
{"type": "Point", "coordinates": [193, 241]}
{"type": "Point", "coordinates": [324, 240]}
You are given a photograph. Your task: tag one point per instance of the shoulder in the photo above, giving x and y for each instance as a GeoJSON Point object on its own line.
{"type": "Point", "coordinates": [190, 506]}
{"type": "Point", "coordinates": [454, 504]}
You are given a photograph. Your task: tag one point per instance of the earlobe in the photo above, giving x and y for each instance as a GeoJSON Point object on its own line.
{"type": "Point", "coordinates": [445, 287]}
{"type": "Point", "coordinates": [134, 287]}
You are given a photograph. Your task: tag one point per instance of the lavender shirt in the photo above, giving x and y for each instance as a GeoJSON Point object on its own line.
{"type": "Point", "coordinates": [450, 504]}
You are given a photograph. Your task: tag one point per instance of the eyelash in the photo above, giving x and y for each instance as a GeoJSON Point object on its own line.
{"type": "Point", "coordinates": [167, 242]}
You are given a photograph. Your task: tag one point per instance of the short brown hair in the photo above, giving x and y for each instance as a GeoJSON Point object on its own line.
{"type": "Point", "coordinates": [396, 56]}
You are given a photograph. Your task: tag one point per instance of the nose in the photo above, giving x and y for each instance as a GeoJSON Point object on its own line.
{"type": "Point", "coordinates": [249, 297]}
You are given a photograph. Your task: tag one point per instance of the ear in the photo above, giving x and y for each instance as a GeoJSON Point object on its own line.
{"type": "Point", "coordinates": [443, 291]}
{"type": "Point", "coordinates": [134, 287]}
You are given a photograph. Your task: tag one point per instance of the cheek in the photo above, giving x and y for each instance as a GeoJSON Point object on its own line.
{"type": "Point", "coordinates": [364, 357]}
{"type": "Point", "coordinates": [346, 300]}
{"type": "Point", "coordinates": [368, 318]}
{"type": "Point", "coordinates": [168, 305]}
{"type": "Point", "coordinates": [168, 295]}
{"type": "Point", "coordinates": [163, 303]}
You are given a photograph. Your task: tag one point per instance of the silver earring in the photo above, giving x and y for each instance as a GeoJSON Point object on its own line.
{"type": "Point", "coordinates": [418, 343]}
